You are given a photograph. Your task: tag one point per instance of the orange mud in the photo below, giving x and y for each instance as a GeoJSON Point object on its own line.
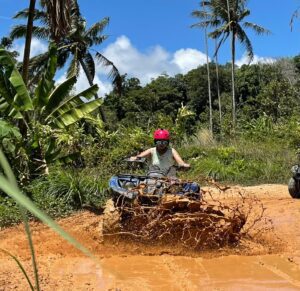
{"type": "Point", "coordinates": [269, 261]}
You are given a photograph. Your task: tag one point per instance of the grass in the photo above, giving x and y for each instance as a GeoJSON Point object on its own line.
{"type": "Point", "coordinates": [241, 161]}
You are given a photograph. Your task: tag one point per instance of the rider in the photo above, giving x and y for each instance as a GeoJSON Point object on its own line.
{"type": "Point", "coordinates": [163, 157]}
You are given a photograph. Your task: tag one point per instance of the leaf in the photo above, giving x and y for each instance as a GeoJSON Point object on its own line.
{"type": "Point", "coordinates": [46, 84]}
{"type": "Point", "coordinates": [77, 113]}
{"type": "Point", "coordinates": [59, 93]}
{"type": "Point", "coordinates": [8, 130]}
{"type": "Point", "coordinates": [8, 145]}
{"type": "Point", "coordinates": [65, 106]}
{"type": "Point", "coordinates": [22, 100]}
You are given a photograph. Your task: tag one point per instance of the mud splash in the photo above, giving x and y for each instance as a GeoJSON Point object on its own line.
{"type": "Point", "coordinates": [269, 261]}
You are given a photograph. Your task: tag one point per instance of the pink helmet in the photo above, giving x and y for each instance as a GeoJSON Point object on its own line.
{"type": "Point", "coordinates": [162, 134]}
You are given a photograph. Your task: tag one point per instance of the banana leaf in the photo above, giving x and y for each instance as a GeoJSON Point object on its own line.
{"type": "Point", "coordinates": [77, 113]}
{"type": "Point", "coordinates": [65, 106]}
{"type": "Point", "coordinates": [59, 93]}
{"type": "Point", "coordinates": [46, 84]}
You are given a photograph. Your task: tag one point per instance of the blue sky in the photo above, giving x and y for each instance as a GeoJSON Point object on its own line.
{"type": "Point", "coordinates": [150, 37]}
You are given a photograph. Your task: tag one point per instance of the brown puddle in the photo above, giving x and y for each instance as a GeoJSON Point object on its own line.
{"type": "Point", "coordinates": [224, 273]}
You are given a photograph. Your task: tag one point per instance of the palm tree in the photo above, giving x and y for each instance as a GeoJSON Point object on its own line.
{"type": "Point", "coordinates": [78, 44]}
{"type": "Point", "coordinates": [203, 25]}
{"type": "Point", "coordinates": [58, 13]}
{"type": "Point", "coordinates": [226, 17]}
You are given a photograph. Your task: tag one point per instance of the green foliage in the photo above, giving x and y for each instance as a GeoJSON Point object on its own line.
{"type": "Point", "coordinates": [65, 190]}
{"type": "Point", "coordinates": [243, 161]}
{"type": "Point", "coordinates": [44, 112]}
{"type": "Point", "coordinates": [9, 212]}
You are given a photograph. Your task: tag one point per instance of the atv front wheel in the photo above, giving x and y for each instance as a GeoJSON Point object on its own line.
{"type": "Point", "coordinates": [293, 189]}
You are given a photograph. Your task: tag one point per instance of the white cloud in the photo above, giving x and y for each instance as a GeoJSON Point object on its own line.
{"type": "Point", "coordinates": [37, 47]}
{"type": "Point", "coordinates": [188, 59]}
{"type": "Point", "coordinates": [244, 60]}
{"type": "Point", "coordinates": [128, 59]}
{"type": "Point", "coordinates": [152, 63]}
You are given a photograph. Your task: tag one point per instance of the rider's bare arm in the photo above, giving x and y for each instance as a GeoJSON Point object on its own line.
{"type": "Point", "coordinates": [144, 154]}
{"type": "Point", "coordinates": [178, 159]}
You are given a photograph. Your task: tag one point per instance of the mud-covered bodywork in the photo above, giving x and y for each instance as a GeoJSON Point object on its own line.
{"type": "Point", "coordinates": [125, 184]}
{"type": "Point", "coordinates": [162, 209]}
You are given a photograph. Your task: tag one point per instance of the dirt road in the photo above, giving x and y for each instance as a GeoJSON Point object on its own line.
{"type": "Point", "coordinates": [270, 262]}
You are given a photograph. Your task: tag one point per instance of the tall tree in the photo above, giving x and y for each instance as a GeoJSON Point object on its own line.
{"type": "Point", "coordinates": [58, 14]}
{"type": "Point", "coordinates": [78, 43]}
{"type": "Point", "coordinates": [226, 17]}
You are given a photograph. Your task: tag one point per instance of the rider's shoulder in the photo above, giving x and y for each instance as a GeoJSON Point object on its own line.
{"type": "Point", "coordinates": [152, 150]}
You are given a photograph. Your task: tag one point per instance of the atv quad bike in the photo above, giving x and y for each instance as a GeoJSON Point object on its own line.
{"type": "Point", "coordinates": [294, 182]}
{"type": "Point", "coordinates": [155, 207]}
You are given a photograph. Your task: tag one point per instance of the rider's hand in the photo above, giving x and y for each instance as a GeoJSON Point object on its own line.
{"type": "Point", "coordinates": [134, 158]}
{"type": "Point", "coordinates": [185, 165]}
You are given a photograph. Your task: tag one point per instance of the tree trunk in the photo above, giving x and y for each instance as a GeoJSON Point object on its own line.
{"type": "Point", "coordinates": [89, 77]}
{"type": "Point", "coordinates": [233, 81]}
{"type": "Point", "coordinates": [209, 89]}
{"type": "Point", "coordinates": [26, 57]}
{"type": "Point", "coordinates": [232, 67]}
{"type": "Point", "coordinates": [218, 87]}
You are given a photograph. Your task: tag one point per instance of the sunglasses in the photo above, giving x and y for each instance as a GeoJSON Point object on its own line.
{"type": "Point", "coordinates": [161, 142]}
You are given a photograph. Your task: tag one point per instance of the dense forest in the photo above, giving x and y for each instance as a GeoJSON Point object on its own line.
{"type": "Point", "coordinates": [235, 124]}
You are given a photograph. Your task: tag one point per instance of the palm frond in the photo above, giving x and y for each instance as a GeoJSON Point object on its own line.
{"type": "Point", "coordinates": [224, 29]}
{"type": "Point", "coordinates": [114, 73]}
{"type": "Point", "coordinates": [202, 14]}
{"type": "Point", "coordinates": [74, 67]}
{"type": "Point", "coordinates": [97, 28]}
{"type": "Point", "coordinates": [38, 15]}
{"type": "Point", "coordinates": [90, 64]}
{"type": "Point", "coordinates": [294, 15]}
{"type": "Point", "coordinates": [200, 25]}
{"type": "Point", "coordinates": [98, 39]}
{"type": "Point", "coordinates": [19, 31]}
{"type": "Point", "coordinates": [258, 29]}
{"type": "Point", "coordinates": [243, 14]}
{"type": "Point", "coordinates": [221, 41]}
{"type": "Point", "coordinates": [245, 41]}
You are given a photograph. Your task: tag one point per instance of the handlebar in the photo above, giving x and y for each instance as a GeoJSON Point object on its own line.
{"type": "Point", "coordinates": [138, 160]}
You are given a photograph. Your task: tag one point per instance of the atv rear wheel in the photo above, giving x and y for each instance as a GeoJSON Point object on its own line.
{"type": "Point", "coordinates": [111, 219]}
{"type": "Point", "coordinates": [293, 189]}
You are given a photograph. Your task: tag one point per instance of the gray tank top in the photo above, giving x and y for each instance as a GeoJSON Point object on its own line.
{"type": "Point", "coordinates": [163, 162]}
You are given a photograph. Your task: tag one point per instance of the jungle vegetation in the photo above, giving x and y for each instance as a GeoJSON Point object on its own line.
{"type": "Point", "coordinates": [237, 124]}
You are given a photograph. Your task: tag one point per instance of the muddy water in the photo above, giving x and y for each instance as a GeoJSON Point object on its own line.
{"type": "Point", "coordinates": [224, 273]}
{"type": "Point", "coordinates": [255, 265]}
